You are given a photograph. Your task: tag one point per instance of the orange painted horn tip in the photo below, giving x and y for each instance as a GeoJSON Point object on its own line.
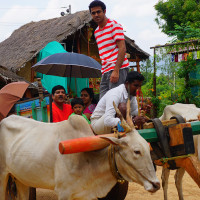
{"type": "Point", "coordinates": [61, 148]}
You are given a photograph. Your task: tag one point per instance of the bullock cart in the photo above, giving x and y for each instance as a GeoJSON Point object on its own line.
{"type": "Point", "coordinates": [171, 143]}
{"type": "Point", "coordinates": [175, 147]}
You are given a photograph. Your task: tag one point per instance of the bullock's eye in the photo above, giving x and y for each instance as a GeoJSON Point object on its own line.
{"type": "Point", "coordinates": [137, 152]}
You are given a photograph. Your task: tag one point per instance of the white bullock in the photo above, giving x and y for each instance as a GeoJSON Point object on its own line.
{"type": "Point", "coordinates": [29, 152]}
{"type": "Point", "coordinates": [189, 112]}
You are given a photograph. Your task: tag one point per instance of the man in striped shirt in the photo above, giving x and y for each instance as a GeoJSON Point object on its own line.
{"type": "Point", "coordinates": [112, 49]}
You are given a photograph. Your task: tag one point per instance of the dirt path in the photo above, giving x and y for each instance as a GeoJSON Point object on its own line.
{"type": "Point", "coordinates": [190, 190]}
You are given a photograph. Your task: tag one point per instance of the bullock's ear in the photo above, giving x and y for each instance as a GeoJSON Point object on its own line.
{"type": "Point", "coordinates": [111, 140]}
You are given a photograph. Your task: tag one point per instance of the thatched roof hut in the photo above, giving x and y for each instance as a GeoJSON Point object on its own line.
{"type": "Point", "coordinates": [7, 76]}
{"type": "Point", "coordinates": [26, 42]}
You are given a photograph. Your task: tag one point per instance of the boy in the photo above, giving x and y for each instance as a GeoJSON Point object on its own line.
{"type": "Point", "coordinates": [78, 107]}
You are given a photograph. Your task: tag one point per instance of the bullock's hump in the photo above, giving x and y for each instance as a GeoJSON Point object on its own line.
{"type": "Point", "coordinates": [79, 123]}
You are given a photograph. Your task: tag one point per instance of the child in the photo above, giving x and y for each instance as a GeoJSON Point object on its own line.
{"type": "Point", "coordinates": [78, 107]}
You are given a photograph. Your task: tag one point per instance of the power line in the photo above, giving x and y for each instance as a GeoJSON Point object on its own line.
{"type": "Point", "coordinates": [27, 8]}
{"type": "Point", "coordinates": [11, 24]}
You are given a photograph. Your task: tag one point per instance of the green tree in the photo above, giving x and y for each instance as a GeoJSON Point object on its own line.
{"type": "Point", "coordinates": [181, 13]}
{"type": "Point", "coordinates": [184, 72]}
{"type": "Point", "coordinates": [184, 32]}
{"type": "Point", "coordinates": [146, 70]}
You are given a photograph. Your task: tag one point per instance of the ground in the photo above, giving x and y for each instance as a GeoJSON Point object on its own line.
{"type": "Point", "coordinates": [190, 190]}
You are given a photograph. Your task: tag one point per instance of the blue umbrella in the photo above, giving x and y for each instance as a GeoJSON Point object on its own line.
{"type": "Point", "coordinates": [69, 65]}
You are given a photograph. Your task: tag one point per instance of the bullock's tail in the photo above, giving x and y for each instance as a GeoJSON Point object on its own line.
{"type": "Point", "coordinates": [11, 188]}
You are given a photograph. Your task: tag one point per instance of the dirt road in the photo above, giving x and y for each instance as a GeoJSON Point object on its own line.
{"type": "Point", "coordinates": [190, 190]}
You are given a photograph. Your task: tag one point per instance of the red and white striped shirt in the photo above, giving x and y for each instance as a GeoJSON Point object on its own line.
{"type": "Point", "coordinates": [106, 41]}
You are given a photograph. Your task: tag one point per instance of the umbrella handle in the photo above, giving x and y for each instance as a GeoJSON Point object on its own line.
{"type": "Point", "coordinates": [69, 90]}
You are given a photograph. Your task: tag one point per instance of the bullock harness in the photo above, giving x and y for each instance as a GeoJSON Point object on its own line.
{"type": "Point", "coordinates": [113, 165]}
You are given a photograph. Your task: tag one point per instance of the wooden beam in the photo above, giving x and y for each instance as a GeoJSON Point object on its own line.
{"type": "Point", "coordinates": [159, 46]}
{"type": "Point", "coordinates": [150, 134]}
{"type": "Point", "coordinates": [164, 122]}
{"type": "Point", "coordinates": [138, 63]}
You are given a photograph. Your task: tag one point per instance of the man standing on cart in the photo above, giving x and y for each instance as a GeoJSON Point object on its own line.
{"type": "Point", "coordinates": [112, 49]}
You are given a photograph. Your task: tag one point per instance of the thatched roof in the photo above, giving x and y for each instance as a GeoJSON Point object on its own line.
{"type": "Point", "coordinates": [6, 76]}
{"type": "Point", "coordinates": [28, 40]}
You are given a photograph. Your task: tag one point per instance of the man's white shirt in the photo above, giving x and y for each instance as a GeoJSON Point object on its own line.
{"type": "Point", "coordinates": [105, 105]}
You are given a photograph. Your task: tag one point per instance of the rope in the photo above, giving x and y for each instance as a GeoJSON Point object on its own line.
{"type": "Point", "coordinates": [165, 160]}
{"type": "Point", "coordinates": [113, 166]}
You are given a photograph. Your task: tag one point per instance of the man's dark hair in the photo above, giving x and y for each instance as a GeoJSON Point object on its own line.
{"type": "Point", "coordinates": [57, 87]}
{"type": "Point", "coordinates": [133, 75]}
{"type": "Point", "coordinates": [97, 3]}
{"type": "Point", "coordinates": [76, 101]}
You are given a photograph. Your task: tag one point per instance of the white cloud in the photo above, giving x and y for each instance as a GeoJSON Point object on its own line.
{"type": "Point", "coordinates": [53, 9]}
{"type": "Point", "coordinates": [16, 17]}
{"type": "Point", "coordinates": [149, 34]}
{"type": "Point", "coordinates": [130, 8]}
{"type": "Point", "coordinates": [20, 14]}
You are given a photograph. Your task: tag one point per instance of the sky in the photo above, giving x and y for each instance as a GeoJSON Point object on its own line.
{"type": "Point", "coordinates": [136, 17]}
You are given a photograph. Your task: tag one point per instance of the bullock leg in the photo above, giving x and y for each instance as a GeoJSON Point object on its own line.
{"type": "Point", "coordinates": [3, 185]}
{"type": "Point", "coordinates": [32, 193]}
{"type": "Point", "coordinates": [178, 181]}
{"type": "Point", "coordinates": [165, 178]}
{"type": "Point", "coordinates": [118, 192]}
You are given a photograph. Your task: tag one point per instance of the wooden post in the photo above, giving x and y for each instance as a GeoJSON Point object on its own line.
{"type": "Point", "coordinates": [34, 110]}
{"type": "Point", "coordinates": [40, 91]}
{"type": "Point", "coordinates": [44, 111]}
{"type": "Point", "coordinates": [154, 82]}
{"type": "Point", "coordinates": [138, 64]}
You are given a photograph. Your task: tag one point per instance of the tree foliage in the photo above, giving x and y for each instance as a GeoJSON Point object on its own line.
{"type": "Point", "coordinates": [184, 32]}
{"type": "Point", "coordinates": [185, 70]}
{"type": "Point", "coordinates": [172, 14]}
{"type": "Point", "coordinates": [173, 85]}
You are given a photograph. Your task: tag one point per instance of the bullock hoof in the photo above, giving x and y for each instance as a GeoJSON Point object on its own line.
{"type": "Point", "coordinates": [118, 192]}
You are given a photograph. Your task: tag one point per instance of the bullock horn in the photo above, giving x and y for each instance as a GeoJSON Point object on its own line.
{"type": "Point", "coordinates": [125, 126]}
{"type": "Point", "coordinates": [128, 110]}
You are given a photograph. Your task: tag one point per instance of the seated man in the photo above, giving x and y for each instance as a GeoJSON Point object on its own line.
{"type": "Point", "coordinates": [60, 110]}
{"type": "Point", "coordinates": [103, 117]}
